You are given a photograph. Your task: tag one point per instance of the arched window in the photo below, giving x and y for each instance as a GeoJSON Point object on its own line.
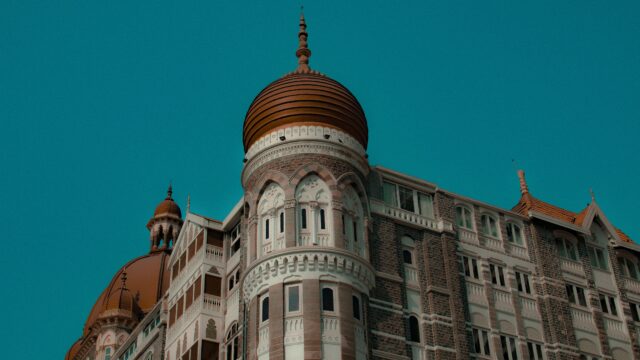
{"type": "Point", "coordinates": [271, 204]}
{"type": "Point", "coordinates": [232, 343]}
{"type": "Point", "coordinates": [356, 307]}
{"type": "Point", "coordinates": [414, 329]}
{"type": "Point", "coordinates": [281, 221]}
{"type": "Point", "coordinates": [463, 217]}
{"type": "Point", "coordinates": [265, 309]}
{"type": "Point", "coordinates": [566, 248]}
{"type": "Point", "coordinates": [313, 200]}
{"type": "Point", "coordinates": [327, 299]}
{"type": "Point", "coordinates": [407, 258]}
{"type": "Point", "coordinates": [489, 225]}
{"type": "Point", "coordinates": [514, 234]}
{"type": "Point", "coordinates": [353, 221]}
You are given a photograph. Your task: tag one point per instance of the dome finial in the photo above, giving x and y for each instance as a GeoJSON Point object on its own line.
{"type": "Point", "coordinates": [123, 278]}
{"type": "Point", "coordinates": [169, 191]}
{"type": "Point", "coordinates": [303, 53]}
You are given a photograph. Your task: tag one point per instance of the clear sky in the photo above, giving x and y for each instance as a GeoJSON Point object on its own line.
{"type": "Point", "coordinates": [102, 103]}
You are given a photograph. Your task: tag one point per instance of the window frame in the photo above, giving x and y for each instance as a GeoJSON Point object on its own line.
{"type": "Point", "coordinates": [509, 346]}
{"type": "Point", "coordinates": [510, 225]}
{"type": "Point", "coordinates": [470, 265]}
{"type": "Point", "coordinates": [523, 282]}
{"type": "Point", "coordinates": [597, 257]}
{"type": "Point", "coordinates": [482, 341]}
{"type": "Point", "coordinates": [334, 303]}
{"type": "Point", "coordinates": [485, 229]}
{"type": "Point", "coordinates": [536, 349]}
{"type": "Point", "coordinates": [288, 288]}
{"type": "Point", "coordinates": [411, 334]}
{"type": "Point", "coordinates": [264, 298]}
{"type": "Point", "coordinates": [466, 218]}
{"type": "Point", "coordinates": [563, 251]}
{"type": "Point", "coordinates": [394, 199]}
{"type": "Point", "coordinates": [608, 304]}
{"type": "Point", "coordinates": [577, 295]}
{"type": "Point", "coordinates": [497, 273]}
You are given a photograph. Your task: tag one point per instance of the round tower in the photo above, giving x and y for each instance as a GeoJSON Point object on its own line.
{"type": "Point", "coordinates": [306, 212]}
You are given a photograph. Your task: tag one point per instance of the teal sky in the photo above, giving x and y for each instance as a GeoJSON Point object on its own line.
{"type": "Point", "coordinates": [102, 103]}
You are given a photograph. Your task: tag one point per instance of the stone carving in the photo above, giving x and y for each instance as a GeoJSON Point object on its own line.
{"type": "Point", "coordinates": [312, 188]}
{"type": "Point", "coordinates": [211, 332]}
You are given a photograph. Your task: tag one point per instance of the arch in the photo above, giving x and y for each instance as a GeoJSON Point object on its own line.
{"type": "Point", "coordinates": [620, 354]}
{"type": "Point", "coordinates": [407, 240]}
{"type": "Point", "coordinates": [507, 327]}
{"type": "Point", "coordinates": [313, 210]}
{"type": "Point", "coordinates": [314, 169]}
{"type": "Point", "coordinates": [353, 227]}
{"type": "Point", "coordinates": [351, 179]}
{"type": "Point", "coordinates": [533, 334]}
{"type": "Point", "coordinates": [588, 346]}
{"type": "Point", "coordinates": [479, 319]}
{"type": "Point", "coordinates": [264, 309]}
{"type": "Point", "coordinates": [270, 205]}
{"type": "Point", "coordinates": [464, 216]}
{"type": "Point", "coordinates": [270, 176]}
{"type": "Point", "coordinates": [414, 329]}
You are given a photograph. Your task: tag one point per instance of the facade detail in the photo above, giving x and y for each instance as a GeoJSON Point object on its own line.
{"type": "Point", "coordinates": [328, 257]}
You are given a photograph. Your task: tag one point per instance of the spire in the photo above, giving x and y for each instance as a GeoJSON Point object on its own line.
{"type": "Point", "coordinates": [524, 188]}
{"type": "Point", "coordinates": [593, 195]}
{"type": "Point", "coordinates": [169, 192]}
{"type": "Point", "coordinates": [303, 53]}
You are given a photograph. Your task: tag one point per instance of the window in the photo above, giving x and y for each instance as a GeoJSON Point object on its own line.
{"type": "Point", "coordinates": [608, 305]}
{"type": "Point", "coordinates": [293, 296]}
{"type": "Point", "coordinates": [523, 282]}
{"type": "Point", "coordinates": [535, 351]}
{"type": "Point", "coordinates": [356, 307]}
{"type": "Point", "coordinates": [303, 218]}
{"type": "Point", "coordinates": [406, 257]}
{"type": "Point", "coordinates": [323, 224]}
{"type": "Point", "coordinates": [514, 234]}
{"type": "Point", "coordinates": [567, 249]}
{"type": "Point", "coordinates": [509, 350]}
{"type": "Point", "coordinates": [281, 222]}
{"type": "Point", "coordinates": [414, 329]}
{"type": "Point", "coordinates": [232, 343]}
{"type": "Point", "coordinates": [497, 274]}
{"type": "Point", "coordinates": [628, 268]}
{"type": "Point", "coordinates": [107, 354]}
{"type": "Point", "coordinates": [235, 240]}
{"type": "Point", "coordinates": [635, 311]}
{"type": "Point", "coordinates": [489, 225]}
{"type": "Point", "coordinates": [406, 199]}
{"type": "Point", "coordinates": [463, 218]}
{"type": "Point", "coordinates": [425, 203]}
{"type": "Point", "coordinates": [265, 309]}
{"type": "Point", "coordinates": [470, 267]}
{"type": "Point", "coordinates": [266, 228]}
{"type": "Point", "coordinates": [327, 299]}
{"type": "Point", "coordinates": [354, 226]}
{"type": "Point", "coordinates": [597, 258]}
{"type": "Point", "coordinates": [576, 295]}
{"type": "Point", "coordinates": [480, 341]}
{"type": "Point", "coordinates": [389, 191]}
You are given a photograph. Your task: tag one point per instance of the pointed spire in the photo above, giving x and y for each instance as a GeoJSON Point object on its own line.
{"type": "Point", "coordinates": [303, 53]}
{"type": "Point", "coordinates": [524, 188]}
{"type": "Point", "coordinates": [169, 192]}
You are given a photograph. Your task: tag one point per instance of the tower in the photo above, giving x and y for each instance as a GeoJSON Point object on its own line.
{"type": "Point", "coordinates": [164, 226]}
{"type": "Point", "coordinates": [308, 274]}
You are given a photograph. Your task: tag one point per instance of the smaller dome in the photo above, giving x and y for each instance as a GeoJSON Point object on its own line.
{"type": "Point", "coordinates": [121, 301]}
{"type": "Point", "coordinates": [168, 206]}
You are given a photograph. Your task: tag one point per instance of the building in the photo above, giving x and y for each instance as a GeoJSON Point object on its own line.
{"type": "Point", "coordinates": [328, 257]}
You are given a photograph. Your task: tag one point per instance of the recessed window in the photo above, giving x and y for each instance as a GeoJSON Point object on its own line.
{"type": "Point", "coordinates": [344, 226]}
{"type": "Point", "coordinates": [523, 282]}
{"type": "Point", "coordinates": [480, 342]}
{"type": "Point", "coordinates": [635, 311]}
{"type": "Point", "coordinates": [567, 249]}
{"type": "Point", "coordinates": [281, 222]}
{"type": "Point", "coordinates": [470, 267]}
{"type": "Point", "coordinates": [608, 304]}
{"type": "Point", "coordinates": [628, 268]}
{"type": "Point", "coordinates": [509, 350]}
{"type": "Point", "coordinates": [405, 196]}
{"type": "Point", "coordinates": [576, 296]}
{"type": "Point", "coordinates": [107, 354]}
{"type": "Point", "coordinates": [597, 257]}
{"type": "Point", "coordinates": [497, 274]}
{"type": "Point", "coordinates": [265, 309]}
{"type": "Point", "coordinates": [354, 225]}
{"type": "Point", "coordinates": [323, 224]}
{"type": "Point", "coordinates": [389, 191]}
{"type": "Point", "coordinates": [463, 218]}
{"type": "Point", "coordinates": [356, 307]}
{"type": "Point", "coordinates": [293, 303]}
{"type": "Point", "coordinates": [414, 329]}
{"type": "Point", "coordinates": [303, 218]}
{"type": "Point", "coordinates": [327, 299]}
{"type": "Point", "coordinates": [489, 225]}
{"type": "Point", "coordinates": [406, 257]}
{"type": "Point", "coordinates": [266, 228]}
{"type": "Point", "coordinates": [535, 351]}
{"type": "Point", "coordinates": [514, 234]}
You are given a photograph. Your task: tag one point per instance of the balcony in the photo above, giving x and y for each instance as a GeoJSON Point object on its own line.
{"type": "Point", "coordinates": [411, 274]}
{"type": "Point", "coordinates": [615, 328]}
{"type": "Point", "coordinates": [212, 303]}
{"type": "Point", "coordinates": [518, 251]}
{"type": "Point", "coordinates": [583, 319]}
{"type": "Point", "coordinates": [492, 243]}
{"type": "Point", "coordinates": [408, 217]}
{"type": "Point", "coordinates": [632, 285]}
{"type": "Point", "coordinates": [468, 236]}
{"type": "Point", "coordinates": [503, 299]}
{"type": "Point", "coordinates": [214, 253]}
{"type": "Point", "coordinates": [571, 266]}
{"type": "Point", "coordinates": [475, 293]}
{"type": "Point", "coordinates": [529, 308]}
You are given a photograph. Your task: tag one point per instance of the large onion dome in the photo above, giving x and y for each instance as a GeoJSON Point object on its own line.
{"type": "Point", "coordinates": [304, 97]}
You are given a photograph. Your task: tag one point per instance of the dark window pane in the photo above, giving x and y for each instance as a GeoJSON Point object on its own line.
{"type": "Point", "coordinates": [634, 312]}
{"type": "Point", "coordinates": [327, 299]}
{"type": "Point", "coordinates": [355, 231]}
{"type": "Point", "coordinates": [294, 298]}
{"type": "Point", "coordinates": [406, 257]}
{"type": "Point", "coordinates": [266, 229]}
{"type": "Point", "coordinates": [581, 297]}
{"type": "Point", "coordinates": [526, 284]}
{"type": "Point", "coordinates": [474, 264]}
{"type": "Point", "coordinates": [356, 307]}
{"type": "Point", "coordinates": [323, 224]}
{"type": "Point", "coordinates": [476, 341]}
{"type": "Point", "coordinates": [414, 329]}
{"type": "Point", "coordinates": [265, 309]}
{"type": "Point", "coordinates": [487, 350]}
{"type": "Point", "coordinates": [518, 275]}
{"type": "Point", "coordinates": [612, 305]}
{"type": "Point", "coordinates": [406, 199]}
{"type": "Point", "coordinates": [281, 222]}
{"type": "Point", "coordinates": [303, 218]}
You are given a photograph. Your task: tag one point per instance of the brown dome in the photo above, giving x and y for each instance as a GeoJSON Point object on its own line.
{"type": "Point", "coordinates": [168, 206]}
{"type": "Point", "coordinates": [147, 281]}
{"type": "Point", "coordinates": [304, 98]}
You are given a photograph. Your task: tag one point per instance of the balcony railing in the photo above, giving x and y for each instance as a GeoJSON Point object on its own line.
{"type": "Point", "coordinates": [212, 303]}
{"type": "Point", "coordinates": [582, 319]}
{"type": "Point", "coordinates": [529, 307]}
{"type": "Point", "coordinates": [571, 266]}
{"type": "Point", "coordinates": [214, 253]}
{"type": "Point", "coordinates": [411, 274]}
{"type": "Point", "coordinates": [519, 251]}
{"type": "Point", "coordinates": [632, 285]}
{"type": "Point", "coordinates": [468, 236]}
{"type": "Point", "coordinates": [407, 216]}
{"type": "Point", "coordinates": [615, 328]}
{"type": "Point", "coordinates": [475, 293]}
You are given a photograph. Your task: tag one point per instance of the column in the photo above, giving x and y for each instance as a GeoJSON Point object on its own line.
{"type": "Point", "coordinates": [276, 322]}
{"type": "Point", "coordinates": [311, 319]}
